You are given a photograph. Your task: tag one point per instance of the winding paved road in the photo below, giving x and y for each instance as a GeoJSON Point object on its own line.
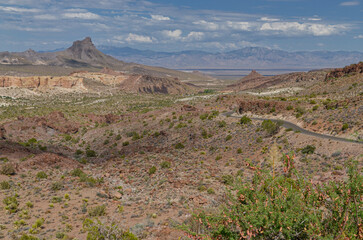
{"type": "Point", "coordinates": [294, 127]}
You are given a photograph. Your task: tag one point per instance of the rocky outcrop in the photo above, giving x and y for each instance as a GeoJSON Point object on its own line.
{"type": "Point", "coordinates": [43, 82]}
{"type": "Point", "coordinates": [341, 72]}
{"type": "Point", "coordinates": [261, 106]}
{"type": "Point", "coordinates": [254, 80]}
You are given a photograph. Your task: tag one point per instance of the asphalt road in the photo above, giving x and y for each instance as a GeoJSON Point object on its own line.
{"type": "Point", "coordinates": [294, 127]}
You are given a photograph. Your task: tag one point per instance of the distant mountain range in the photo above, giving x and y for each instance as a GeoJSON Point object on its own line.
{"type": "Point", "coordinates": [246, 58]}
{"type": "Point", "coordinates": [84, 55]}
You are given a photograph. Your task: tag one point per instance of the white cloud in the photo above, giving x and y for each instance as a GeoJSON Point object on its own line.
{"type": "Point", "coordinates": [295, 28]}
{"type": "Point", "coordinates": [40, 29]}
{"type": "Point", "coordinates": [18, 10]}
{"type": "Point", "coordinates": [350, 3]}
{"type": "Point", "coordinates": [81, 15]}
{"type": "Point", "coordinates": [176, 34]}
{"type": "Point", "coordinates": [244, 26]}
{"type": "Point", "coordinates": [45, 17]}
{"type": "Point", "coordinates": [196, 36]}
{"type": "Point", "coordinates": [138, 38]}
{"type": "Point", "coordinates": [314, 19]}
{"type": "Point", "coordinates": [160, 18]}
{"type": "Point", "coordinates": [207, 25]}
{"type": "Point", "coordinates": [267, 19]}
{"type": "Point", "coordinates": [359, 37]}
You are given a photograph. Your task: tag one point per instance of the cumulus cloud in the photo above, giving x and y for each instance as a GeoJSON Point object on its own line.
{"type": "Point", "coordinates": [195, 36]}
{"type": "Point", "coordinates": [243, 26]}
{"type": "Point", "coordinates": [176, 34]}
{"type": "Point", "coordinates": [350, 3]}
{"type": "Point", "coordinates": [160, 18]}
{"type": "Point", "coordinates": [138, 38]}
{"type": "Point", "coordinates": [18, 10]}
{"type": "Point", "coordinates": [207, 25]}
{"type": "Point", "coordinates": [296, 28]}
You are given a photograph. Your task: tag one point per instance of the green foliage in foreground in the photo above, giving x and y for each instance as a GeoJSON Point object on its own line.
{"type": "Point", "coordinates": [98, 231]}
{"type": "Point", "coordinates": [286, 207]}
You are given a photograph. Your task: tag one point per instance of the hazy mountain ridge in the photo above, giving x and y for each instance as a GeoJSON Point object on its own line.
{"type": "Point", "coordinates": [250, 57]}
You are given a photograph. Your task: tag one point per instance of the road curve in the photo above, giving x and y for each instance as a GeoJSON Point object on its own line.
{"type": "Point", "coordinates": [294, 127]}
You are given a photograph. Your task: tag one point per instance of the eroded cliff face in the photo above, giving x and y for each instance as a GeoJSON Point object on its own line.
{"type": "Point", "coordinates": [42, 82]}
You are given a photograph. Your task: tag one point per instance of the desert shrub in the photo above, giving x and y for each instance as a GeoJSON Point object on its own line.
{"type": "Point", "coordinates": [205, 134]}
{"type": "Point", "coordinates": [210, 191]}
{"type": "Point", "coordinates": [179, 146]}
{"type": "Point", "coordinates": [97, 211]}
{"type": "Point", "coordinates": [309, 149]}
{"type": "Point", "coordinates": [152, 170]}
{"type": "Point", "coordinates": [106, 142]}
{"type": "Point", "coordinates": [7, 169]}
{"type": "Point", "coordinates": [90, 153]}
{"type": "Point", "coordinates": [126, 143]}
{"type": "Point", "coordinates": [345, 126]}
{"type": "Point", "coordinates": [56, 186]}
{"type": "Point", "coordinates": [227, 179]}
{"type": "Point", "coordinates": [271, 127]}
{"type": "Point", "coordinates": [222, 124]}
{"type": "Point", "coordinates": [118, 137]}
{"type": "Point", "coordinates": [229, 137]}
{"type": "Point", "coordinates": [79, 152]}
{"type": "Point", "coordinates": [315, 107]}
{"type": "Point", "coordinates": [289, 107]}
{"type": "Point", "coordinates": [42, 175]}
{"type": "Point", "coordinates": [285, 207]}
{"type": "Point", "coordinates": [245, 120]}
{"type": "Point", "coordinates": [165, 164]}
{"type": "Point", "coordinates": [4, 185]}
{"type": "Point", "coordinates": [204, 116]}
{"type": "Point", "coordinates": [98, 231]}
{"type": "Point", "coordinates": [11, 204]}
{"type": "Point", "coordinates": [28, 237]}
{"type": "Point", "coordinates": [67, 137]}
{"type": "Point", "coordinates": [77, 172]}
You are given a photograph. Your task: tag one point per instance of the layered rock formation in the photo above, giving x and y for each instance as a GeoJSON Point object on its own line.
{"type": "Point", "coordinates": [42, 82]}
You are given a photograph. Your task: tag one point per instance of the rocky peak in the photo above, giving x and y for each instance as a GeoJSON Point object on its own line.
{"type": "Point", "coordinates": [83, 49]}
{"type": "Point", "coordinates": [253, 75]}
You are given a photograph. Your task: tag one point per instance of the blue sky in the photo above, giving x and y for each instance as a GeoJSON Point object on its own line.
{"type": "Point", "coordinates": [176, 25]}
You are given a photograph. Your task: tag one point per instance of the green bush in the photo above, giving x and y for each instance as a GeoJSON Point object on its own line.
{"type": "Point", "coordinates": [165, 164]}
{"type": "Point", "coordinates": [4, 185]}
{"type": "Point", "coordinates": [42, 175]}
{"type": "Point", "coordinates": [345, 126]}
{"type": "Point", "coordinates": [11, 204]}
{"type": "Point", "coordinates": [77, 172]}
{"type": "Point", "coordinates": [271, 127]}
{"type": "Point", "coordinates": [245, 120]}
{"type": "Point", "coordinates": [56, 186]}
{"type": "Point", "coordinates": [285, 207]}
{"type": "Point", "coordinates": [179, 146]}
{"type": "Point", "coordinates": [98, 231]}
{"type": "Point", "coordinates": [97, 211]}
{"type": "Point", "coordinates": [229, 137]}
{"type": "Point", "coordinates": [90, 153]}
{"type": "Point", "coordinates": [8, 169]}
{"type": "Point", "coordinates": [309, 149]}
{"type": "Point", "coordinates": [227, 179]}
{"type": "Point", "coordinates": [152, 170]}
{"type": "Point", "coordinates": [126, 143]}
{"type": "Point", "coordinates": [222, 124]}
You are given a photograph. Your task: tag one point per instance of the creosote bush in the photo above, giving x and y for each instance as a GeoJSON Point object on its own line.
{"type": "Point", "coordinates": [8, 169]}
{"type": "Point", "coordinates": [245, 120]}
{"type": "Point", "coordinates": [287, 206]}
{"type": "Point", "coordinates": [96, 230]}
